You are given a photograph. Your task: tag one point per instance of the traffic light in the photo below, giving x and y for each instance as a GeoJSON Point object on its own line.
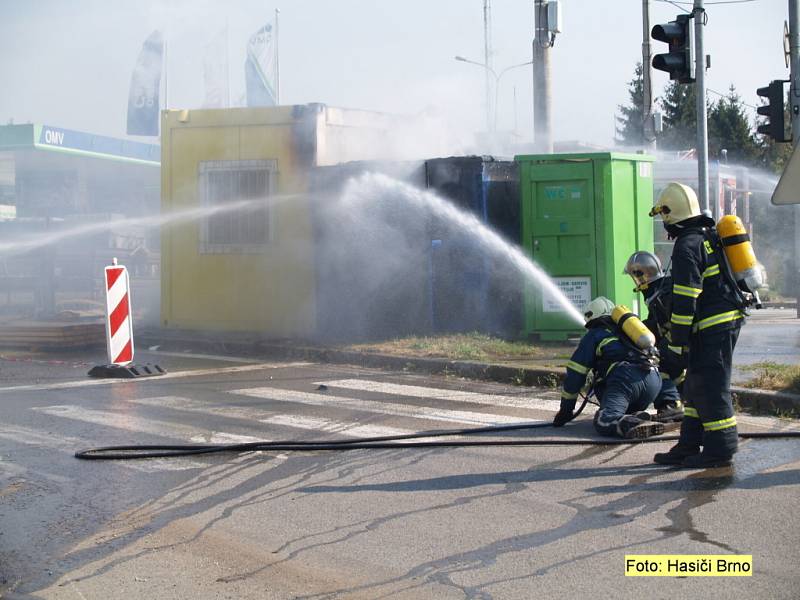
{"type": "Point", "coordinates": [773, 110]}
{"type": "Point", "coordinates": [679, 61]}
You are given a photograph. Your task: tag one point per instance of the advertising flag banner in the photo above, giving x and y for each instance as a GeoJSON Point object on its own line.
{"type": "Point", "coordinates": [215, 72]}
{"type": "Point", "coordinates": [143, 106]}
{"type": "Point", "coordinates": [259, 68]}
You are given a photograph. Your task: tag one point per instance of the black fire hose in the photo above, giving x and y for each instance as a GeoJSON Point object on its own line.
{"type": "Point", "coordinates": [382, 442]}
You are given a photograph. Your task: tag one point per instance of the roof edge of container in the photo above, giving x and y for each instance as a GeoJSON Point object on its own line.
{"type": "Point", "coordinates": [584, 156]}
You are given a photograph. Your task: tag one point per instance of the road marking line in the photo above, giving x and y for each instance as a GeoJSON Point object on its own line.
{"type": "Point", "coordinates": [249, 361]}
{"type": "Point", "coordinates": [389, 408]}
{"type": "Point", "coordinates": [138, 424]}
{"type": "Point", "coordinates": [187, 404]}
{"type": "Point", "coordinates": [69, 445]}
{"type": "Point", "coordinates": [331, 426]}
{"type": "Point", "coordinates": [174, 375]}
{"type": "Point", "coordinates": [225, 438]}
{"type": "Point", "coordinates": [415, 391]}
{"type": "Point", "coordinates": [263, 416]}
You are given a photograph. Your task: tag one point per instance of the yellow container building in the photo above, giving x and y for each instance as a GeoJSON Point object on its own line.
{"type": "Point", "coordinates": [231, 262]}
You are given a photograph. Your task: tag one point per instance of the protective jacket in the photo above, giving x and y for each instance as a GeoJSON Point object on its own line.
{"type": "Point", "coordinates": [702, 299]}
{"type": "Point", "coordinates": [602, 349]}
{"type": "Point", "coordinates": [658, 297]}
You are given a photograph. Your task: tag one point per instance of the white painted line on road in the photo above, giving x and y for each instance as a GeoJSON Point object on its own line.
{"type": "Point", "coordinates": [270, 418]}
{"type": "Point", "coordinates": [197, 406]}
{"type": "Point", "coordinates": [330, 426]}
{"type": "Point", "coordinates": [118, 420]}
{"type": "Point", "coordinates": [225, 438]}
{"type": "Point", "coordinates": [175, 375]}
{"type": "Point", "coordinates": [138, 424]}
{"type": "Point", "coordinates": [415, 391]}
{"type": "Point", "coordinates": [389, 408]}
{"type": "Point", "coordinates": [70, 445]}
{"type": "Point", "coordinates": [205, 356]}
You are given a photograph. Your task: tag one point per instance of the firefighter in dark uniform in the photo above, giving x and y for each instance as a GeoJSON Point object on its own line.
{"type": "Point", "coordinates": [705, 321]}
{"type": "Point", "coordinates": [625, 379]}
{"type": "Point", "coordinates": [645, 270]}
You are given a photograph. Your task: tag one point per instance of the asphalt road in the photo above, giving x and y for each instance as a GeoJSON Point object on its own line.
{"type": "Point", "coordinates": [415, 523]}
{"type": "Point", "coordinates": [770, 334]}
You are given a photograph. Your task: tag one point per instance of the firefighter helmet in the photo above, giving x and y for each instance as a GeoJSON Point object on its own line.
{"type": "Point", "coordinates": [599, 307]}
{"type": "Point", "coordinates": [644, 268]}
{"type": "Point", "coordinates": [676, 203]}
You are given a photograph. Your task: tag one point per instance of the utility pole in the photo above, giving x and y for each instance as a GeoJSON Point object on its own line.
{"type": "Point", "coordinates": [794, 102]}
{"type": "Point", "coordinates": [702, 112]}
{"type": "Point", "coordinates": [277, 61]}
{"type": "Point", "coordinates": [487, 54]}
{"type": "Point", "coordinates": [542, 117]}
{"type": "Point", "coordinates": [648, 133]}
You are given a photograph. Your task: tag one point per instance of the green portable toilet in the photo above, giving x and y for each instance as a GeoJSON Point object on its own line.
{"type": "Point", "coordinates": [582, 216]}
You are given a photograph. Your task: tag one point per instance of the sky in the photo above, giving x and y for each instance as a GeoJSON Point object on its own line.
{"type": "Point", "coordinates": [68, 63]}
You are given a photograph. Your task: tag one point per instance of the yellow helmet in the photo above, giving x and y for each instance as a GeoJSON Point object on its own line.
{"type": "Point", "coordinates": [676, 203]}
{"type": "Point", "coordinates": [644, 268]}
{"type": "Point", "coordinates": [599, 307]}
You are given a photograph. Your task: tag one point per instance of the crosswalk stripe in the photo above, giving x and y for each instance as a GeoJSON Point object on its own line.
{"type": "Point", "coordinates": [118, 420]}
{"type": "Point", "coordinates": [270, 418]}
{"type": "Point", "coordinates": [415, 391]}
{"type": "Point", "coordinates": [67, 444]}
{"type": "Point", "coordinates": [216, 437]}
{"type": "Point", "coordinates": [145, 425]}
{"type": "Point", "coordinates": [196, 406]}
{"type": "Point", "coordinates": [174, 375]}
{"type": "Point", "coordinates": [331, 426]}
{"type": "Point", "coordinates": [389, 408]}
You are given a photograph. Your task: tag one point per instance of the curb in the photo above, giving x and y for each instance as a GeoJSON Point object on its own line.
{"type": "Point", "coordinates": [748, 399]}
{"type": "Point", "coordinates": [766, 401]}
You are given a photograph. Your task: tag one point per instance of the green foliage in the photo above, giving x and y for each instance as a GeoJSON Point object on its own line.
{"type": "Point", "coordinates": [630, 122]}
{"type": "Point", "coordinates": [729, 128]}
{"type": "Point", "coordinates": [680, 117]}
{"type": "Point", "coordinates": [769, 375]}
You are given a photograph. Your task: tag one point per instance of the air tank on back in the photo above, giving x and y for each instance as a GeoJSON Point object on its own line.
{"type": "Point", "coordinates": [741, 258]}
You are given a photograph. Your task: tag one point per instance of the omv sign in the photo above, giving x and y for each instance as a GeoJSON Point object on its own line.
{"type": "Point", "coordinates": [51, 136]}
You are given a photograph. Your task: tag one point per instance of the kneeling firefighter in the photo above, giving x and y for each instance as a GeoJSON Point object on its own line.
{"type": "Point", "coordinates": [706, 316]}
{"type": "Point", "coordinates": [626, 380]}
{"type": "Point", "coordinates": [656, 287]}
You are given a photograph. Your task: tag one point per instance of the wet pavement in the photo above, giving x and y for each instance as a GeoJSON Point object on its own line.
{"type": "Point", "coordinates": [406, 523]}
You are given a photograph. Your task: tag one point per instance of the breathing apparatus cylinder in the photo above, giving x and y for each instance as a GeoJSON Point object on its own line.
{"type": "Point", "coordinates": [741, 258]}
{"type": "Point", "coordinates": [633, 327]}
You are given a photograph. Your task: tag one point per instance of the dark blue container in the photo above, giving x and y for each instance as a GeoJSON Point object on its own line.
{"type": "Point", "coordinates": [371, 256]}
{"type": "Point", "coordinates": [471, 288]}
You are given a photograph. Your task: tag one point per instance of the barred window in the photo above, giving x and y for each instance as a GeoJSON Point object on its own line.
{"type": "Point", "coordinates": [239, 190]}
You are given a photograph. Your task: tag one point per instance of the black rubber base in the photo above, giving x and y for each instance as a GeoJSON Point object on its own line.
{"type": "Point", "coordinates": [126, 372]}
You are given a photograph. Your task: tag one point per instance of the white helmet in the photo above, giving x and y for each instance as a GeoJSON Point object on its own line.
{"type": "Point", "coordinates": [599, 307]}
{"type": "Point", "coordinates": [676, 203]}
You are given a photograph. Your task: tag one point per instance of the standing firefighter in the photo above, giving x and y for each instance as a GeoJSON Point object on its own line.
{"type": "Point", "coordinates": [645, 270]}
{"type": "Point", "coordinates": [625, 380]}
{"type": "Point", "coordinates": [705, 321]}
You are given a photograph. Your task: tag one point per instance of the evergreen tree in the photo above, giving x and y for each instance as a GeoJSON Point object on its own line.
{"type": "Point", "coordinates": [680, 117]}
{"type": "Point", "coordinates": [774, 155]}
{"type": "Point", "coordinates": [630, 124]}
{"type": "Point", "coordinates": [729, 128]}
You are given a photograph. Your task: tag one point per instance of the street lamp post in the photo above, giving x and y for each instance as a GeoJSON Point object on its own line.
{"type": "Point", "coordinates": [492, 126]}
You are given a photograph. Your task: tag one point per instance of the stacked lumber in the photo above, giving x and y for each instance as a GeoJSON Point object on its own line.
{"type": "Point", "coordinates": [51, 335]}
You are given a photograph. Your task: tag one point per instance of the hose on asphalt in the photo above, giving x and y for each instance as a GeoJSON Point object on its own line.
{"type": "Point", "coordinates": [384, 442]}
